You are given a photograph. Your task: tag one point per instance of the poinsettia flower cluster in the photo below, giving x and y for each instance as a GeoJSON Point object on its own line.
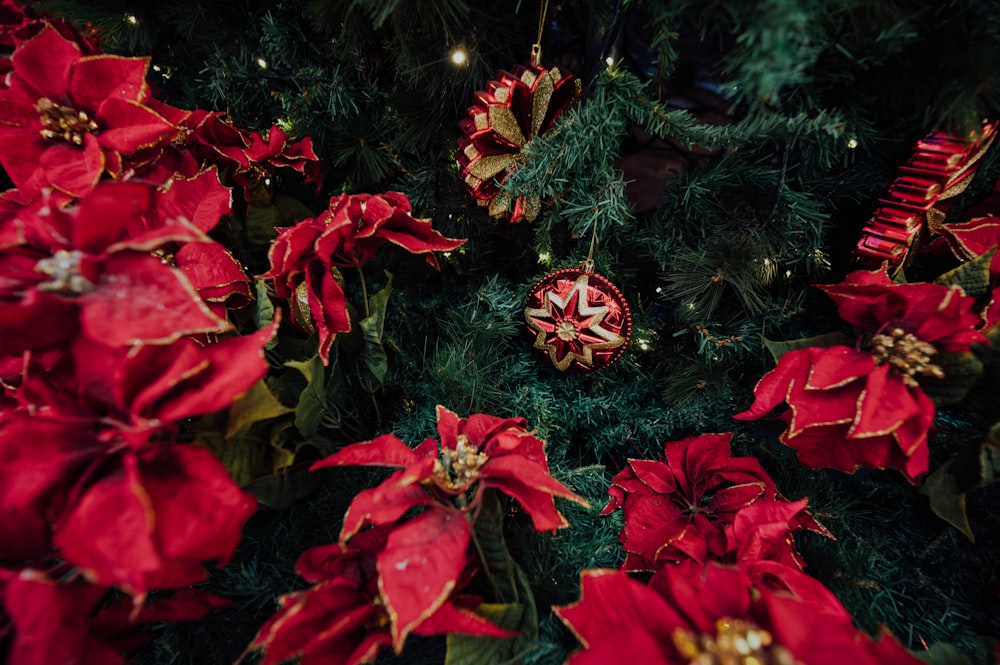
{"type": "Point", "coordinates": [717, 614]}
{"type": "Point", "coordinates": [403, 555]}
{"type": "Point", "coordinates": [305, 258]}
{"type": "Point", "coordinates": [862, 405]}
{"type": "Point", "coordinates": [703, 504]}
{"type": "Point", "coordinates": [114, 329]}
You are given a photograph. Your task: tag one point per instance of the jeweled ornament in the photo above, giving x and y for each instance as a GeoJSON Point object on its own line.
{"type": "Point", "coordinates": [515, 107]}
{"type": "Point", "coordinates": [578, 319]}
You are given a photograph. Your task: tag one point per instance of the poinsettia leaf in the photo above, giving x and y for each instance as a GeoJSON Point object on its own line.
{"type": "Point", "coordinates": [942, 653]}
{"type": "Point", "coordinates": [479, 649]}
{"type": "Point", "coordinates": [420, 566]}
{"type": "Point", "coordinates": [973, 276]}
{"type": "Point", "coordinates": [283, 488]}
{"type": "Point", "coordinates": [827, 340]}
{"type": "Point", "coordinates": [291, 210]}
{"type": "Point", "coordinates": [256, 405]}
{"type": "Point", "coordinates": [977, 463]}
{"type": "Point", "coordinates": [262, 223]}
{"type": "Point", "coordinates": [374, 355]}
{"type": "Point", "coordinates": [947, 501]}
{"type": "Point", "coordinates": [961, 371]}
{"type": "Point", "coordinates": [245, 458]}
{"type": "Point", "coordinates": [264, 313]}
{"type": "Point", "coordinates": [312, 401]}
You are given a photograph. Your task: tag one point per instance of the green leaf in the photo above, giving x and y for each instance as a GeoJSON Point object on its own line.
{"type": "Point", "coordinates": [291, 210]}
{"type": "Point", "coordinates": [825, 341]}
{"type": "Point", "coordinates": [312, 401]}
{"type": "Point", "coordinates": [517, 610]}
{"type": "Point", "coordinates": [947, 501]}
{"type": "Point", "coordinates": [973, 276]}
{"type": "Point", "coordinates": [244, 457]}
{"type": "Point", "coordinates": [376, 362]}
{"type": "Point", "coordinates": [263, 314]}
{"type": "Point", "coordinates": [483, 649]}
{"type": "Point", "coordinates": [262, 224]}
{"type": "Point", "coordinates": [256, 405]}
{"type": "Point", "coordinates": [961, 371]}
{"type": "Point", "coordinates": [283, 488]}
{"type": "Point", "coordinates": [942, 653]}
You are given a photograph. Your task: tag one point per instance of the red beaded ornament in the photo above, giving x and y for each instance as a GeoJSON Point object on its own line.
{"type": "Point", "coordinates": [578, 319]}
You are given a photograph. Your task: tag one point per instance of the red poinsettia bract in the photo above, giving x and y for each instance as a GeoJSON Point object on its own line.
{"type": "Point", "coordinates": [51, 621]}
{"type": "Point", "coordinates": [863, 407]}
{"type": "Point", "coordinates": [715, 614]}
{"type": "Point", "coordinates": [343, 619]}
{"type": "Point", "coordinates": [304, 257]}
{"type": "Point", "coordinates": [425, 556]}
{"type": "Point", "coordinates": [69, 118]}
{"type": "Point", "coordinates": [683, 508]}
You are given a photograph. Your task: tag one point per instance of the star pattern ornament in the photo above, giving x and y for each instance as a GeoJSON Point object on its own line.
{"type": "Point", "coordinates": [515, 107]}
{"type": "Point", "coordinates": [578, 320]}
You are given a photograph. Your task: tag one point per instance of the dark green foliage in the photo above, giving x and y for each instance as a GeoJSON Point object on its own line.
{"type": "Point", "coordinates": [783, 121]}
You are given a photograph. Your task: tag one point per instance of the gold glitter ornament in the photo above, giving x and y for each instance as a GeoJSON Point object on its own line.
{"type": "Point", "coordinates": [515, 107]}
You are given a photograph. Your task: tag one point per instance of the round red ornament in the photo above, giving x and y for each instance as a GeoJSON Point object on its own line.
{"type": "Point", "coordinates": [578, 319]}
{"type": "Point", "coordinates": [515, 107]}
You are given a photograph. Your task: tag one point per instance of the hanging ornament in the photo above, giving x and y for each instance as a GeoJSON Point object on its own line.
{"type": "Point", "coordinates": [515, 107]}
{"type": "Point", "coordinates": [578, 319]}
{"type": "Point", "coordinates": [940, 168]}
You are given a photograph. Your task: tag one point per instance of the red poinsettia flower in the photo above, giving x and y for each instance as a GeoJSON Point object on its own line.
{"type": "Point", "coordinates": [57, 622]}
{"type": "Point", "coordinates": [69, 118]}
{"type": "Point", "coordinates": [863, 407]}
{"type": "Point", "coordinates": [245, 157]}
{"type": "Point", "coordinates": [681, 508]}
{"type": "Point", "coordinates": [934, 314]}
{"type": "Point", "coordinates": [847, 410]}
{"type": "Point", "coordinates": [155, 520]}
{"type": "Point", "coordinates": [90, 267]}
{"type": "Point", "coordinates": [714, 614]}
{"type": "Point", "coordinates": [475, 453]}
{"type": "Point", "coordinates": [304, 257]}
{"type": "Point", "coordinates": [346, 618]}
{"type": "Point", "coordinates": [76, 417]}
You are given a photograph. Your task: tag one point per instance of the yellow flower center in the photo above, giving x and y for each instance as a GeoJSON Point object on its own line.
{"type": "Point", "coordinates": [907, 354]}
{"type": "Point", "coordinates": [64, 122]}
{"type": "Point", "coordinates": [457, 468]}
{"type": "Point", "coordinates": [64, 269]}
{"type": "Point", "coordinates": [735, 642]}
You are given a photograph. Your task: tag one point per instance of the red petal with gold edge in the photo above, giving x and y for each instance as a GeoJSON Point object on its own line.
{"type": "Point", "coordinates": [420, 565]}
{"type": "Point", "coordinates": [385, 503]}
{"type": "Point", "coordinates": [140, 299]}
{"type": "Point", "coordinates": [98, 78]}
{"type": "Point", "coordinates": [45, 63]}
{"type": "Point", "coordinates": [201, 200]}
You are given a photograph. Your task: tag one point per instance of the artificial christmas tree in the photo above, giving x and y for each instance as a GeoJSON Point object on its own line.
{"type": "Point", "coordinates": [244, 277]}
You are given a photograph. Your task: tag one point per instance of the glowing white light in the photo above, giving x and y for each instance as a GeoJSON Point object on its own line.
{"type": "Point", "coordinates": [267, 182]}
{"type": "Point", "coordinates": [852, 143]}
{"type": "Point", "coordinates": [447, 254]}
{"type": "Point", "coordinates": [262, 63]}
{"type": "Point", "coordinates": [459, 57]}
{"type": "Point", "coordinates": [543, 257]}
{"type": "Point", "coordinates": [659, 289]}
{"type": "Point", "coordinates": [156, 68]}
{"type": "Point", "coordinates": [767, 261]}
{"type": "Point", "coordinates": [131, 19]}
{"type": "Point", "coordinates": [610, 61]}
{"type": "Point", "coordinates": [788, 273]}
{"type": "Point", "coordinates": [644, 345]}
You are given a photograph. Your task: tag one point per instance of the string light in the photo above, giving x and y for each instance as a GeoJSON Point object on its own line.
{"type": "Point", "coordinates": [459, 57]}
{"type": "Point", "coordinates": [262, 63]}
{"type": "Point", "coordinates": [544, 257]}
{"type": "Point", "coordinates": [131, 19]}
{"type": "Point", "coordinates": [659, 289]}
{"type": "Point", "coordinates": [644, 344]}
{"type": "Point", "coordinates": [852, 143]}
{"type": "Point", "coordinates": [610, 61]}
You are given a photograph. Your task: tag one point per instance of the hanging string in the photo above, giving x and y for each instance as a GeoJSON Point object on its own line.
{"type": "Point", "coordinates": [588, 265]}
{"type": "Point", "coordinates": [536, 48]}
